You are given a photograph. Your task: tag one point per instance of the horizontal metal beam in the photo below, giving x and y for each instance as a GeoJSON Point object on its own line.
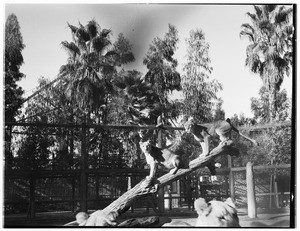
{"type": "Point", "coordinates": [10, 174]}
{"type": "Point", "coordinates": [100, 126]}
{"type": "Point", "coordinates": [149, 127]}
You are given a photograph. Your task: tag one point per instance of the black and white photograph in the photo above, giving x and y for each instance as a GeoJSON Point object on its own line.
{"type": "Point", "coordinates": [149, 115]}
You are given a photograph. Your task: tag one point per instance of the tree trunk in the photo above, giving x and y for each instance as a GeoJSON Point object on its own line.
{"type": "Point", "coordinates": [272, 104]}
{"type": "Point", "coordinates": [154, 221]}
{"type": "Point", "coordinates": [123, 203]}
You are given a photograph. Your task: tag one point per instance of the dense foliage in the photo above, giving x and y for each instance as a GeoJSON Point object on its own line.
{"type": "Point", "coordinates": [270, 52]}
{"type": "Point", "coordinates": [13, 61]}
{"type": "Point", "coordinates": [199, 91]}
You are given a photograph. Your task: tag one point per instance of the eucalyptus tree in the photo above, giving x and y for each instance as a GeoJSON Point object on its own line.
{"type": "Point", "coordinates": [13, 93]}
{"type": "Point", "coordinates": [199, 91]}
{"type": "Point", "coordinates": [162, 74]}
{"type": "Point", "coordinates": [13, 61]}
{"type": "Point", "coordinates": [270, 52]}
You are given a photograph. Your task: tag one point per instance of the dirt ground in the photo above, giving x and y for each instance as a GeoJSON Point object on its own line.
{"type": "Point", "coordinates": [279, 218]}
{"type": "Point", "coordinates": [262, 220]}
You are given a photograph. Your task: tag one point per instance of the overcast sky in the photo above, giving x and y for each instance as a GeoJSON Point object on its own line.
{"type": "Point", "coordinates": [44, 27]}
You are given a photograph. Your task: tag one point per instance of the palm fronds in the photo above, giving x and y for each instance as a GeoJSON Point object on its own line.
{"type": "Point", "coordinates": [91, 65]}
{"type": "Point", "coordinates": [71, 48]}
{"type": "Point", "coordinates": [105, 32]}
{"type": "Point", "coordinates": [92, 28]}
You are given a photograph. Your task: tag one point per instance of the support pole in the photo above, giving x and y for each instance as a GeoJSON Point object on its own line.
{"type": "Point", "coordinates": [231, 178]}
{"type": "Point", "coordinates": [276, 197]}
{"type": "Point", "coordinates": [97, 187]}
{"type": "Point", "coordinates": [73, 194]}
{"type": "Point", "coordinates": [252, 213]}
{"type": "Point", "coordinates": [83, 174]}
{"type": "Point", "coordinates": [160, 194]}
{"type": "Point", "coordinates": [271, 191]}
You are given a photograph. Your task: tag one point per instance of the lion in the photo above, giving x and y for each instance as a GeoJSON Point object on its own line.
{"type": "Point", "coordinates": [216, 213]}
{"type": "Point", "coordinates": [211, 214]}
{"type": "Point", "coordinates": [98, 218]}
{"type": "Point", "coordinates": [203, 132]}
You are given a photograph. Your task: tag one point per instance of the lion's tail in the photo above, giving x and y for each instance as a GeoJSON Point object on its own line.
{"type": "Point", "coordinates": [238, 132]}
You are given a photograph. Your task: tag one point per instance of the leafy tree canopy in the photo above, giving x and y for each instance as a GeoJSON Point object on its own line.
{"type": "Point", "coordinates": [13, 60]}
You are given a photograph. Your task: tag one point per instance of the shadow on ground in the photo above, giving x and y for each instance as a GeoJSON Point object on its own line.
{"type": "Point", "coordinates": [265, 218]}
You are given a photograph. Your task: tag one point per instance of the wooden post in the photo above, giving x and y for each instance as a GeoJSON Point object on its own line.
{"type": "Point", "coordinates": [252, 213]}
{"type": "Point", "coordinates": [83, 174]}
{"type": "Point", "coordinates": [129, 186]}
{"type": "Point", "coordinates": [275, 184]}
{"type": "Point", "coordinates": [160, 194]}
{"type": "Point", "coordinates": [274, 192]}
{"type": "Point", "coordinates": [231, 178]}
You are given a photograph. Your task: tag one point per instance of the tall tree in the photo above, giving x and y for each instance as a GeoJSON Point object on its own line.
{"type": "Point", "coordinates": [49, 106]}
{"type": "Point", "coordinates": [91, 69]}
{"type": "Point", "coordinates": [13, 61]}
{"type": "Point", "coordinates": [13, 93]}
{"type": "Point", "coordinates": [162, 74]}
{"type": "Point", "coordinates": [199, 91]}
{"type": "Point", "coordinates": [270, 52]}
{"type": "Point", "coordinates": [92, 64]}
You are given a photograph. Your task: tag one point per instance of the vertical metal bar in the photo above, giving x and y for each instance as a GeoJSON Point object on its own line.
{"type": "Point", "coordinates": [161, 206]}
{"type": "Point", "coordinates": [83, 174]}
{"type": "Point", "coordinates": [73, 194]}
{"type": "Point", "coordinates": [231, 178]}
{"type": "Point", "coordinates": [97, 190]}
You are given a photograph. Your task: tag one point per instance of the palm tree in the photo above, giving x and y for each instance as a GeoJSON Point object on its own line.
{"type": "Point", "coordinates": [92, 64]}
{"type": "Point", "coordinates": [270, 52]}
{"type": "Point", "coordinates": [90, 71]}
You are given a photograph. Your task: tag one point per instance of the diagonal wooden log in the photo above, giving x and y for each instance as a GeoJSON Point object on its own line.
{"type": "Point", "coordinates": [123, 203]}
